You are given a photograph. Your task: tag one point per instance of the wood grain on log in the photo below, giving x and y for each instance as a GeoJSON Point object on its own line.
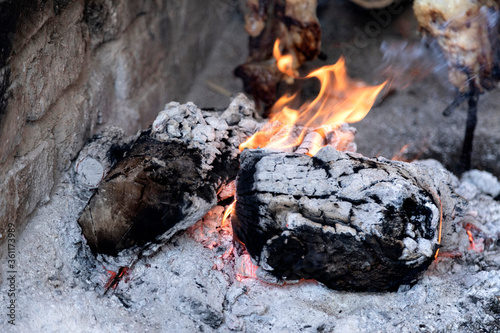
{"type": "Point", "coordinates": [145, 194]}
{"type": "Point", "coordinates": [350, 222]}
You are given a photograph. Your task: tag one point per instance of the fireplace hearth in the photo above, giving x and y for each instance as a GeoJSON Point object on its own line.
{"type": "Point", "coordinates": [183, 227]}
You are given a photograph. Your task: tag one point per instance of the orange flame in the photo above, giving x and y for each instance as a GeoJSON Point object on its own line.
{"type": "Point", "coordinates": [471, 240]}
{"type": "Point", "coordinates": [340, 100]}
{"type": "Point", "coordinates": [285, 63]}
{"type": "Point", "coordinates": [229, 210]}
{"type": "Point", "coordinates": [440, 230]}
{"type": "Point", "coordinates": [476, 242]}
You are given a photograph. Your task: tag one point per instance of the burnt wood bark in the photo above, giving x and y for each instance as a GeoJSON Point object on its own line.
{"type": "Point", "coordinates": [146, 193]}
{"type": "Point", "coordinates": [350, 222]}
{"type": "Point", "coordinates": [167, 179]}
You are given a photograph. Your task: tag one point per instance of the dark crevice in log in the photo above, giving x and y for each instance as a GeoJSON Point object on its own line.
{"type": "Point", "coordinates": [321, 164]}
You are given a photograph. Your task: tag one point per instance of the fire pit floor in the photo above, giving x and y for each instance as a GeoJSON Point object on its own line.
{"type": "Point", "coordinates": [61, 285]}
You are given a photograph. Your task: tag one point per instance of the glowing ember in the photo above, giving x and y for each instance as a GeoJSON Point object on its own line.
{"type": "Point", "coordinates": [340, 100]}
{"type": "Point", "coordinates": [115, 278]}
{"type": "Point", "coordinates": [471, 240]}
{"type": "Point", "coordinates": [244, 267]}
{"type": "Point", "coordinates": [476, 242]}
{"type": "Point", "coordinates": [226, 191]}
{"type": "Point", "coordinates": [215, 232]}
{"type": "Point", "coordinates": [450, 254]}
{"type": "Point", "coordinates": [440, 221]}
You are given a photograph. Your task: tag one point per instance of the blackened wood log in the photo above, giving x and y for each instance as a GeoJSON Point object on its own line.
{"type": "Point", "coordinates": [167, 180]}
{"type": "Point", "coordinates": [147, 193]}
{"type": "Point", "coordinates": [350, 222]}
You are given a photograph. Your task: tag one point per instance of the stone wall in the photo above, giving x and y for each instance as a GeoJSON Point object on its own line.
{"type": "Point", "coordinates": [70, 67]}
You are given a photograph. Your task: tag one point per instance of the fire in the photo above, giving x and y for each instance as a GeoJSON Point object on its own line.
{"type": "Point", "coordinates": [471, 240]}
{"type": "Point", "coordinates": [473, 233]}
{"type": "Point", "coordinates": [285, 63]}
{"type": "Point", "coordinates": [244, 267]}
{"type": "Point", "coordinates": [340, 100]}
{"type": "Point", "coordinates": [440, 230]}
{"type": "Point", "coordinates": [307, 127]}
{"type": "Point", "coordinates": [115, 278]}
{"type": "Point", "coordinates": [215, 232]}
{"type": "Point", "coordinates": [229, 210]}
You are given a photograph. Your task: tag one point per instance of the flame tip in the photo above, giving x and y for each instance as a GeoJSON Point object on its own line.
{"type": "Point", "coordinates": [340, 100]}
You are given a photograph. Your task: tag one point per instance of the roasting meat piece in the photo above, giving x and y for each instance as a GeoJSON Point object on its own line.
{"type": "Point", "coordinates": [295, 23]}
{"type": "Point", "coordinates": [255, 17]}
{"type": "Point", "coordinates": [467, 31]}
{"type": "Point", "coordinates": [303, 37]}
{"type": "Point", "coordinates": [260, 79]}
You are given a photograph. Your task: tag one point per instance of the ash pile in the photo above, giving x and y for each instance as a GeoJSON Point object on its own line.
{"type": "Point", "coordinates": [192, 276]}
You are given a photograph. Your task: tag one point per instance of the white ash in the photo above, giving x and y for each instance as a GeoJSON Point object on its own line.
{"type": "Point", "coordinates": [93, 162]}
{"type": "Point", "coordinates": [206, 130]}
{"type": "Point", "coordinates": [481, 181]}
{"type": "Point", "coordinates": [60, 285]}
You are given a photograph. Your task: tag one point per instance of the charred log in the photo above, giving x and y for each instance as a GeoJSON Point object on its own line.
{"type": "Point", "coordinates": [350, 222]}
{"type": "Point", "coordinates": [147, 193]}
{"type": "Point", "coordinates": [168, 178]}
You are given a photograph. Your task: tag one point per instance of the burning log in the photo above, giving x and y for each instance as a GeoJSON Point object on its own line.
{"type": "Point", "coordinates": [350, 222]}
{"type": "Point", "coordinates": [167, 179]}
{"type": "Point", "coordinates": [322, 121]}
{"type": "Point", "coordinates": [468, 32]}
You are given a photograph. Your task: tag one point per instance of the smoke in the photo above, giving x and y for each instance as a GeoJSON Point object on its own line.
{"type": "Point", "coordinates": [405, 62]}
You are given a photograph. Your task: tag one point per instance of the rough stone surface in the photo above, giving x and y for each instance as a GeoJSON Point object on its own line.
{"type": "Point", "coordinates": [27, 185]}
{"type": "Point", "coordinates": [70, 67]}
